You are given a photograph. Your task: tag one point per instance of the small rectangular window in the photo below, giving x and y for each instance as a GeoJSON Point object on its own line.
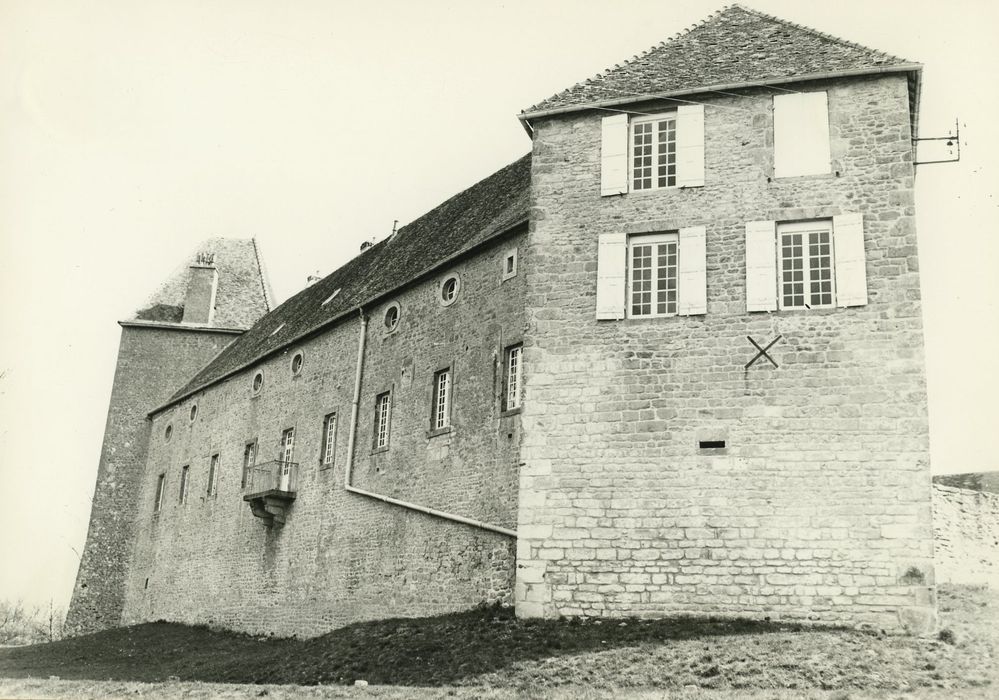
{"type": "Point", "coordinates": [510, 264]}
{"type": "Point", "coordinates": [183, 484]}
{"type": "Point", "coordinates": [160, 484]}
{"type": "Point", "coordinates": [329, 440]}
{"type": "Point", "coordinates": [381, 430]}
{"type": "Point", "coordinates": [213, 476]}
{"type": "Point", "coordinates": [653, 152]}
{"type": "Point", "coordinates": [652, 275]}
{"type": "Point", "coordinates": [441, 407]}
{"type": "Point", "coordinates": [249, 460]}
{"type": "Point", "coordinates": [513, 384]}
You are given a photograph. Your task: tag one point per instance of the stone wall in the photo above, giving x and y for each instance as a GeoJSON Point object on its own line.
{"type": "Point", "coordinates": [152, 364]}
{"type": "Point", "coordinates": [966, 533]}
{"type": "Point", "coordinates": [343, 557]}
{"type": "Point", "coordinates": [819, 506]}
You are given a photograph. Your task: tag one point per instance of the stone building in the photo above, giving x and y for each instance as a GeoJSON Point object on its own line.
{"type": "Point", "coordinates": [669, 362]}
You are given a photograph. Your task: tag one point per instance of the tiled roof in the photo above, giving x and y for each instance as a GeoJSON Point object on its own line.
{"type": "Point", "coordinates": [735, 46]}
{"type": "Point", "coordinates": [468, 219]}
{"type": "Point", "coordinates": [243, 294]}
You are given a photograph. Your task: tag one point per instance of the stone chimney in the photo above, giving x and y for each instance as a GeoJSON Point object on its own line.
{"type": "Point", "coordinates": [199, 304]}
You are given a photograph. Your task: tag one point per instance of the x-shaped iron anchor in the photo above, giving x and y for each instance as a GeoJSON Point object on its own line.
{"type": "Point", "coordinates": [762, 351]}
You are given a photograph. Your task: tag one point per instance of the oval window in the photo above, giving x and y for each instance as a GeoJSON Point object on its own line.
{"type": "Point", "coordinates": [392, 317]}
{"type": "Point", "coordinates": [449, 290]}
{"type": "Point", "coordinates": [258, 381]}
{"type": "Point", "coordinates": [168, 432]}
{"type": "Point", "coordinates": [296, 363]}
{"type": "Point", "coordinates": [194, 412]}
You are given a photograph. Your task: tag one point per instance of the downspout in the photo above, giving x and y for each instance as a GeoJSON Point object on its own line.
{"type": "Point", "coordinates": [351, 444]}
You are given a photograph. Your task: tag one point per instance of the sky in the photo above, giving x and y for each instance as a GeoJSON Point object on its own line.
{"type": "Point", "coordinates": [131, 131]}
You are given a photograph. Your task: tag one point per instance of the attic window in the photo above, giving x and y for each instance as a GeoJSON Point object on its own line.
{"type": "Point", "coordinates": [258, 382]}
{"type": "Point", "coordinates": [449, 289]}
{"type": "Point", "coordinates": [296, 363]}
{"type": "Point", "coordinates": [277, 330]}
{"type": "Point", "coordinates": [331, 297]}
{"type": "Point", "coordinates": [194, 412]}
{"type": "Point", "coordinates": [510, 264]}
{"type": "Point", "coordinates": [168, 433]}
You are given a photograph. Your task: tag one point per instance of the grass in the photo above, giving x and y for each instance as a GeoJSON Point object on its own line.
{"type": "Point", "coordinates": [489, 651]}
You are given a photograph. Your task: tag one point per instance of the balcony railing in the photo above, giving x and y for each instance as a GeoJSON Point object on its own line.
{"type": "Point", "coordinates": [272, 476]}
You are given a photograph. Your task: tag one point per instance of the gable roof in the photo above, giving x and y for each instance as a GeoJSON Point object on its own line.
{"type": "Point", "coordinates": [243, 294]}
{"type": "Point", "coordinates": [489, 208]}
{"type": "Point", "coordinates": [736, 46]}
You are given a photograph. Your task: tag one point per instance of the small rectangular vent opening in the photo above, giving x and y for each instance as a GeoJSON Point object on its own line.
{"type": "Point", "coordinates": [711, 444]}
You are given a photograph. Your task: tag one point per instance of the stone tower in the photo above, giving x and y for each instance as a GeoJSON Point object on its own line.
{"type": "Point", "coordinates": [211, 299]}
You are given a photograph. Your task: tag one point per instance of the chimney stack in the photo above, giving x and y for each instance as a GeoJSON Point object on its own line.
{"type": "Point", "coordinates": [199, 304]}
{"type": "Point", "coordinates": [312, 279]}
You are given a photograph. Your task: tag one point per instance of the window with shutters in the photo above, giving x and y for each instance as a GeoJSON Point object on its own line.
{"type": "Point", "coordinates": [652, 275]}
{"type": "Point", "coordinates": [249, 461]}
{"type": "Point", "coordinates": [213, 476]}
{"type": "Point", "coordinates": [653, 152]}
{"type": "Point", "coordinates": [801, 134]}
{"type": "Point", "coordinates": [805, 264]}
{"type": "Point", "coordinates": [184, 475]}
{"type": "Point", "coordinates": [639, 153]}
{"type": "Point", "coordinates": [160, 484]}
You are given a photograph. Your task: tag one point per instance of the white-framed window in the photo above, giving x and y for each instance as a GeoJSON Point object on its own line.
{"type": "Point", "coordinates": [329, 440]}
{"type": "Point", "coordinates": [213, 476]}
{"type": "Point", "coordinates": [287, 445]}
{"type": "Point", "coordinates": [381, 428]}
{"type": "Point", "coordinates": [184, 476]}
{"type": "Point", "coordinates": [249, 461]}
{"type": "Point", "coordinates": [297, 362]}
{"type": "Point", "coordinates": [652, 275]}
{"type": "Point", "coordinates": [448, 291]}
{"type": "Point", "coordinates": [653, 152]}
{"type": "Point", "coordinates": [392, 315]}
{"type": "Point", "coordinates": [441, 407]}
{"type": "Point", "coordinates": [509, 264]}
{"type": "Point", "coordinates": [258, 383]}
{"type": "Point", "coordinates": [802, 265]}
{"type": "Point", "coordinates": [513, 384]}
{"type": "Point", "coordinates": [804, 252]}
{"type": "Point", "coordinates": [160, 486]}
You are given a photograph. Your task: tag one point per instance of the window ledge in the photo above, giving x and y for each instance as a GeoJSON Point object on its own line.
{"type": "Point", "coordinates": [511, 412]}
{"type": "Point", "coordinates": [379, 450]}
{"type": "Point", "coordinates": [438, 431]}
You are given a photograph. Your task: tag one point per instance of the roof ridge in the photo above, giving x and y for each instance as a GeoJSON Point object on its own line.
{"type": "Point", "coordinates": [816, 32]}
{"type": "Point", "coordinates": [264, 281]}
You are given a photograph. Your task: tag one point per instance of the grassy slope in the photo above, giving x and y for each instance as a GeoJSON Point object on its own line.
{"type": "Point", "coordinates": [489, 648]}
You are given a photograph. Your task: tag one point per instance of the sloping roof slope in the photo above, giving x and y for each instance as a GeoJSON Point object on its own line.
{"type": "Point", "coordinates": [735, 46]}
{"type": "Point", "coordinates": [468, 219]}
{"type": "Point", "coordinates": [243, 294]}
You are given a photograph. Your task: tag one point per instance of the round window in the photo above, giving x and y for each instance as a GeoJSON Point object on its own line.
{"type": "Point", "coordinates": [392, 317]}
{"type": "Point", "coordinates": [168, 432]}
{"type": "Point", "coordinates": [258, 381]}
{"type": "Point", "coordinates": [296, 363]}
{"type": "Point", "coordinates": [194, 412]}
{"type": "Point", "coordinates": [449, 290]}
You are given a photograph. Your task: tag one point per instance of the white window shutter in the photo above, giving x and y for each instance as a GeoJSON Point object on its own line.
{"type": "Point", "coordinates": [693, 279]}
{"type": "Point", "coordinates": [761, 266]}
{"type": "Point", "coordinates": [612, 257]}
{"type": "Point", "coordinates": [851, 273]}
{"type": "Point", "coordinates": [801, 134]}
{"type": "Point", "coordinates": [690, 146]}
{"type": "Point", "coordinates": [614, 155]}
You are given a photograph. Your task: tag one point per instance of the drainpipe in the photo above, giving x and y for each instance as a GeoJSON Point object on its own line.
{"type": "Point", "coordinates": [351, 444]}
